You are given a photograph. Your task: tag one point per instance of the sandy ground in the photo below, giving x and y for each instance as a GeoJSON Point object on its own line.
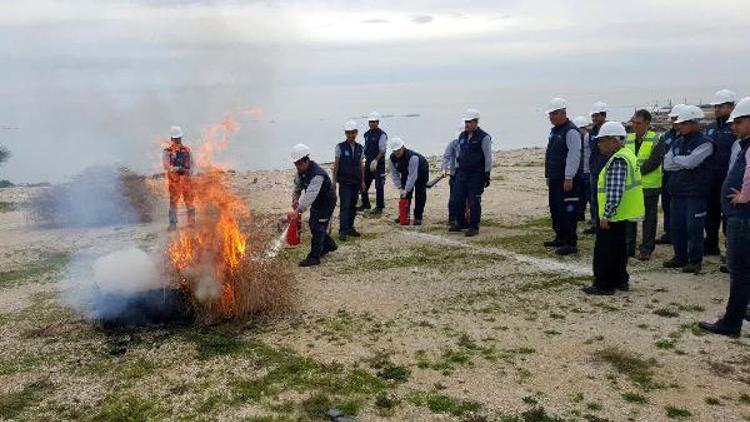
{"type": "Point", "coordinates": [495, 320]}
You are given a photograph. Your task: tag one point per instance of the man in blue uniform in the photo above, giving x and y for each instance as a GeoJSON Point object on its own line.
{"type": "Point", "coordinates": [668, 139]}
{"type": "Point", "coordinates": [376, 141]}
{"type": "Point", "coordinates": [723, 138]}
{"type": "Point", "coordinates": [688, 185]}
{"type": "Point", "coordinates": [410, 173]}
{"type": "Point", "coordinates": [448, 167]}
{"type": "Point", "coordinates": [319, 198]}
{"type": "Point", "coordinates": [348, 173]}
{"type": "Point", "coordinates": [735, 198]}
{"type": "Point", "coordinates": [563, 171]}
{"type": "Point", "coordinates": [473, 171]}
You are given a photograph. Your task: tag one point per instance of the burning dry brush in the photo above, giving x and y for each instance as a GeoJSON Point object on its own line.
{"type": "Point", "coordinates": [222, 260]}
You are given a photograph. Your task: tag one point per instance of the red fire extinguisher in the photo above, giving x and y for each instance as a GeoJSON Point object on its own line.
{"type": "Point", "coordinates": [294, 231]}
{"type": "Point", "coordinates": [403, 211]}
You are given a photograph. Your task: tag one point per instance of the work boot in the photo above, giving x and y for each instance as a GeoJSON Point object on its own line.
{"type": "Point", "coordinates": [471, 232]}
{"type": "Point", "coordinates": [309, 262]}
{"type": "Point", "coordinates": [397, 220]}
{"type": "Point", "coordinates": [673, 263]}
{"type": "Point", "coordinates": [723, 269]}
{"type": "Point", "coordinates": [417, 222]}
{"type": "Point", "coordinates": [454, 228]}
{"type": "Point", "coordinates": [172, 227]}
{"type": "Point", "coordinates": [596, 291]}
{"type": "Point", "coordinates": [644, 256]}
{"type": "Point", "coordinates": [354, 233]}
{"type": "Point", "coordinates": [553, 243]}
{"type": "Point", "coordinates": [376, 211]}
{"type": "Point", "coordinates": [719, 328]}
{"type": "Point", "coordinates": [329, 250]}
{"type": "Point", "coordinates": [692, 268]}
{"type": "Point", "coordinates": [624, 287]}
{"type": "Point", "coordinates": [566, 250]}
{"type": "Point", "coordinates": [342, 237]}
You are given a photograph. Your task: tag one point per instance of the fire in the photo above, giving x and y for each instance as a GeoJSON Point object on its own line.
{"type": "Point", "coordinates": [214, 248]}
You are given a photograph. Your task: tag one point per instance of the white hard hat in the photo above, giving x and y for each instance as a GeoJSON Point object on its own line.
{"type": "Point", "coordinates": [299, 152]}
{"type": "Point", "coordinates": [724, 96]}
{"type": "Point", "coordinates": [350, 125]}
{"type": "Point", "coordinates": [395, 144]}
{"type": "Point", "coordinates": [742, 109]}
{"type": "Point", "coordinates": [471, 114]}
{"type": "Point", "coordinates": [581, 121]}
{"type": "Point", "coordinates": [175, 132]}
{"type": "Point", "coordinates": [615, 129]}
{"type": "Point", "coordinates": [599, 107]}
{"type": "Point", "coordinates": [556, 104]}
{"type": "Point", "coordinates": [374, 117]}
{"type": "Point", "coordinates": [676, 110]}
{"type": "Point", "coordinates": [688, 113]}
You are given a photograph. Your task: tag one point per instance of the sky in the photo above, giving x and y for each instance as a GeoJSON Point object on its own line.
{"type": "Point", "coordinates": [89, 82]}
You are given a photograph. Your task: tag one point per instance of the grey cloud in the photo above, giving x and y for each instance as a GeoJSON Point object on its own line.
{"type": "Point", "coordinates": [368, 21]}
{"type": "Point", "coordinates": [422, 19]}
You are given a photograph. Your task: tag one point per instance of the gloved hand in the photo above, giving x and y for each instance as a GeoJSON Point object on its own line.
{"type": "Point", "coordinates": [373, 166]}
{"type": "Point", "coordinates": [403, 193]}
{"type": "Point", "coordinates": [486, 179]}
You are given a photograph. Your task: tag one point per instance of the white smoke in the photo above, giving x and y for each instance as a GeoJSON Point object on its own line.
{"type": "Point", "coordinates": [126, 272]}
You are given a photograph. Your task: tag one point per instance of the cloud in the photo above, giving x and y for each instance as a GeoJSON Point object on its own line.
{"type": "Point", "coordinates": [379, 20]}
{"type": "Point", "coordinates": [422, 19]}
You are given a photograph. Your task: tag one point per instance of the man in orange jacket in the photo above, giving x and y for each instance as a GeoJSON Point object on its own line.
{"type": "Point", "coordinates": [178, 166]}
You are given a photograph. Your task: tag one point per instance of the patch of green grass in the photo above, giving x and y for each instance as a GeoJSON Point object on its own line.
{"type": "Point", "coordinates": [631, 397]}
{"type": "Point", "coordinates": [386, 403]}
{"type": "Point", "coordinates": [554, 281]}
{"type": "Point", "coordinates": [636, 368]}
{"type": "Point", "coordinates": [688, 308]}
{"type": "Point", "coordinates": [397, 374]}
{"type": "Point", "coordinates": [536, 414]}
{"type": "Point", "coordinates": [665, 343]}
{"type": "Point", "coordinates": [127, 409]}
{"type": "Point", "coordinates": [441, 403]}
{"type": "Point", "coordinates": [425, 256]}
{"type": "Point", "coordinates": [13, 404]}
{"type": "Point", "coordinates": [529, 243]}
{"type": "Point", "coordinates": [34, 270]}
{"type": "Point", "coordinates": [8, 206]}
{"type": "Point", "coordinates": [666, 313]}
{"type": "Point", "coordinates": [712, 401]}
{"type": "Point", "coordinates": [677, 412]}
{"type": "Point", "coordinates": [744, 398]}
{"type": "Point", "coordinates": [212, 343]}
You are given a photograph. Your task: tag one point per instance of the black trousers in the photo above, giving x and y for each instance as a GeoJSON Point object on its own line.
{"type": "Point", "coordinates": [714, 219]}
{"type": "Point", "coordinates": [648, 244]}
{"type": "Point", "coordinates": [321, 240]}
{"type": "Point", "coordinates": [348, 194]}
{"type": "Point", "coordinates": [666, 206]}
{"type": "Point", "coordinates": [738, 260]}
{"type": "Point", "coordinates": [563, 208]}
{"type": "Point", "coordinates": [610, 258]}
{"type": "Point", "coordinates": [419, 193]}
{"type": "Point", "coordinates": [378, 176]}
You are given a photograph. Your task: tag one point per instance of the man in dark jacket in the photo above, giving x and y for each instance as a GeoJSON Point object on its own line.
{"type": "Point", "coordinates": [348, 173]}
{"type": "Point", "coordinates": [376, 141]}
{"type": "Point", "coordinates": [319, 198]}
{"type": "Point", "coordinates": [410, 172]}
{"type": "Point", "coordinates": [688, 185]}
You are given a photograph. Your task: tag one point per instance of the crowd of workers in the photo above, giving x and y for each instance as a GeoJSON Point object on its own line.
{"type": "Point", "coordinates": [701, 174]}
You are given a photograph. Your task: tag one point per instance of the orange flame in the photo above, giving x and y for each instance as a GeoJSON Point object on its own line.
{"type": "Point", "coordinates": [215, 246]}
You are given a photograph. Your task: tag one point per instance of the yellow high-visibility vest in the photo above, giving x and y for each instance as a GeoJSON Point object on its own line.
{"type": "Point", "coordinates": [651, 180]}
{"type": "Point", "coordinates": [631, 205]}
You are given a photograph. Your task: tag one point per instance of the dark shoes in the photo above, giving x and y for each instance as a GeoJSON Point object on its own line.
{"type": "Point", "coordinates": [692, 268]}
{"type": "Point", "coordinates": [590, 230]}
{"type": "Point", "coordinates": [643, 256]}
{"type": "Point", "coordinates": [553, 243]}
{"type": "Point", "coordinates": [718, 328]}
{"type": "Point", "coordinates": [375, 212]}
{"type": "Point", "coordinates": [397, 220]}
{"type": "Point", "coordinates": [566, 250]}
{"type": "Point", "coordinates": [417, 222]}
{"type": "Point", "coordinates": [724, 269]}
{"type": "Point", "coordinates": [625, 287]}
{"type": "Point", "coordinates": [714, 251]}
{"type": "Point", "coordinates": [673, 263]}
{"type": "Point", "coordinates": [354, 233]}
{"type": "Point", "coordinates": [309, 262]}
{"type": "Point", "coordinates": [595, 291]}
{"type": "Point", "coordinates": [343, 237]}
{"type": "Point", "coordinates": [329, 250]}
{"type": "Point", "coordinates": [471, 232]}
{"type": "Point", "coordinates": [454, 228]}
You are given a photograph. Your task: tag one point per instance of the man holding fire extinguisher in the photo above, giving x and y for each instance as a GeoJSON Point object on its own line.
{"type": "Point", "coordinates": [319, 197]}
{"type": "Point", "coordinates": [409, 172]}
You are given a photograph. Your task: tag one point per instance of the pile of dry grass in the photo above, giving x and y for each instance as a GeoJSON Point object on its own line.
{"type": "Point", "coordinates": [98, 196]}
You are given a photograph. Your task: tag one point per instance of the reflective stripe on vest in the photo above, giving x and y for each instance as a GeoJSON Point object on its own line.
{"type": "Point", "coordinates": [653, 179]}
{"type": "Point", "coordinates": [631, 205]}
